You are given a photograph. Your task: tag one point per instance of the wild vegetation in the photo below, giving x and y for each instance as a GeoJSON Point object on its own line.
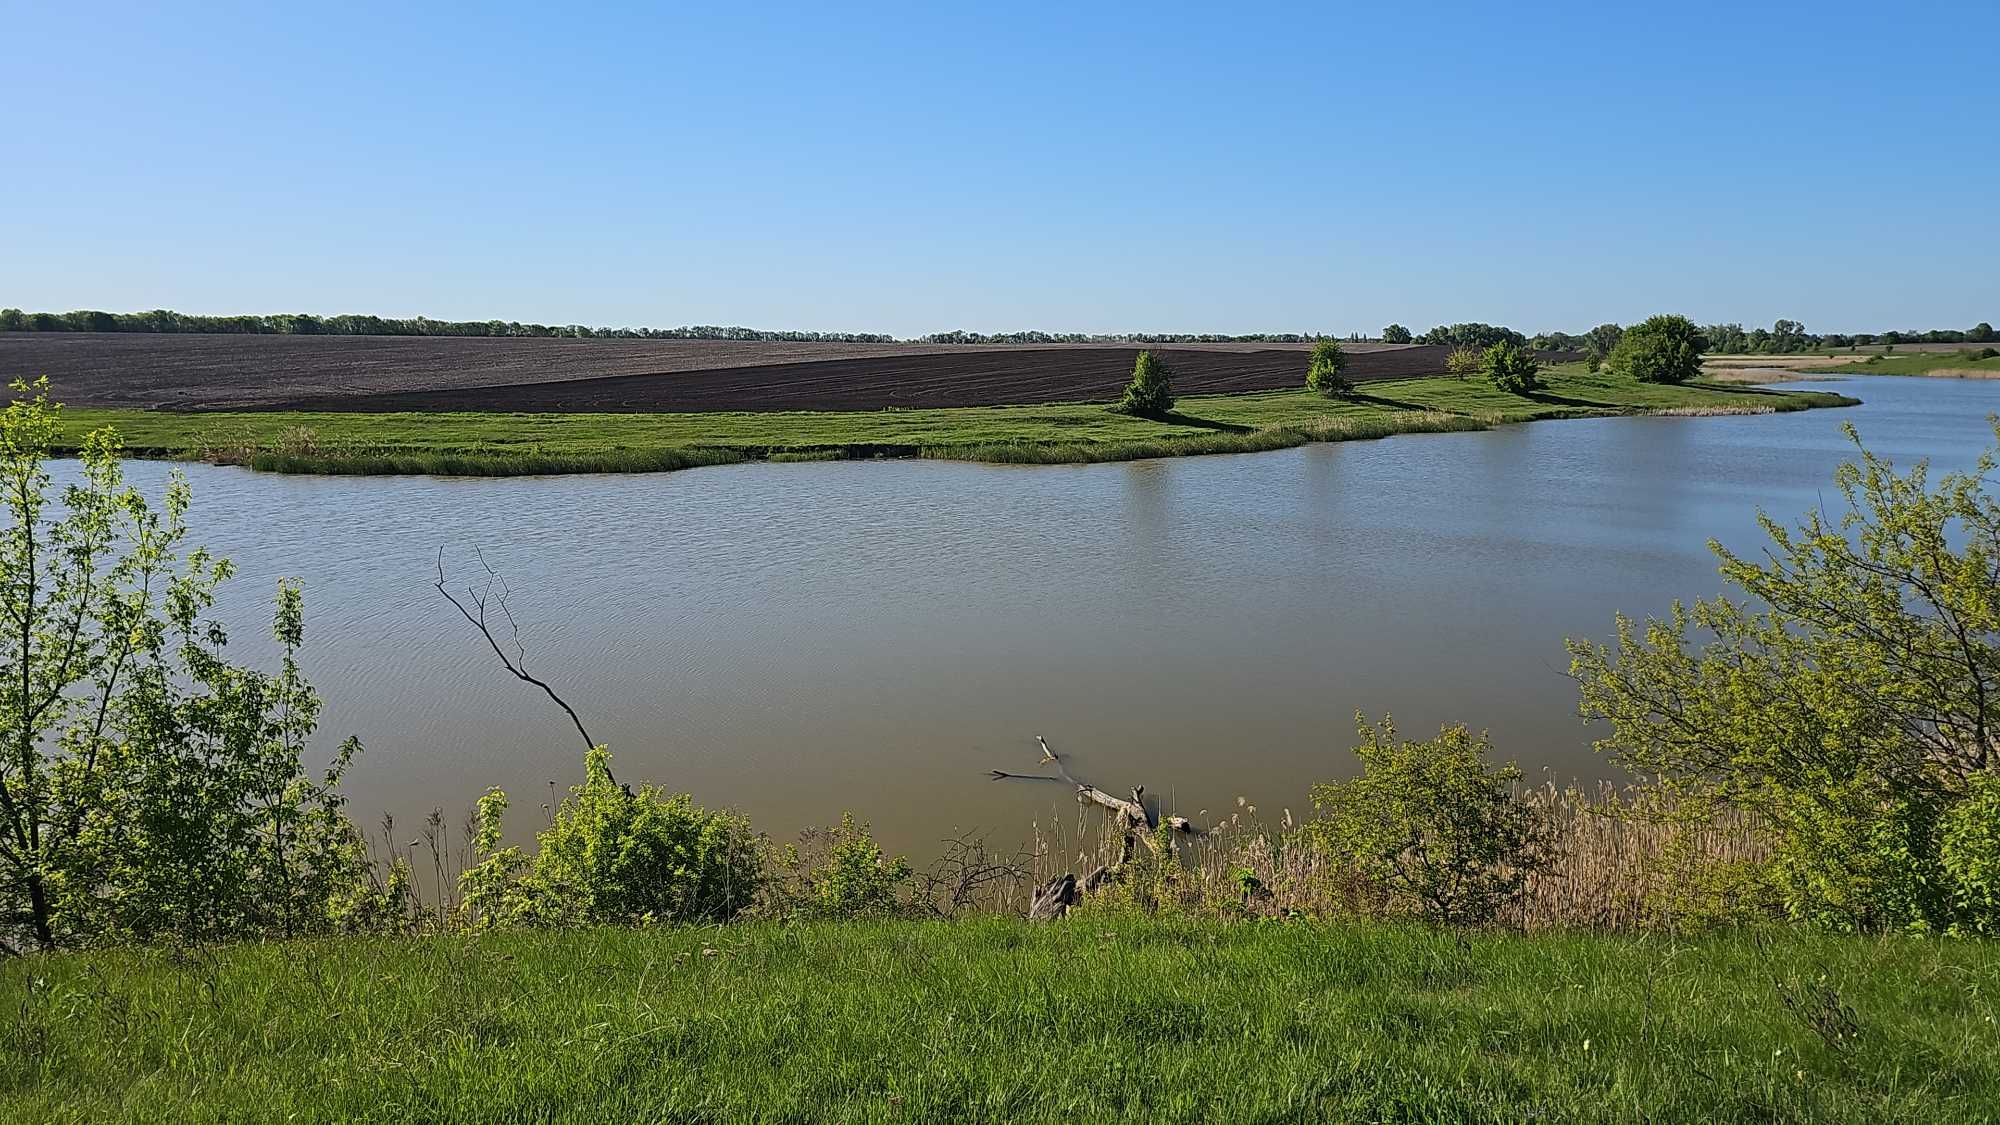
{"type": "Point", "coordinates": [1150, 394]}
{"type": "Point", "coordinates": [1661, 349]}
{"type": "Point", "coordinates": [1326, 371]}
{"type": "Point", "coordinates": [1811, 763]}
{"type": "Point", "coordinates": [1511, 368]}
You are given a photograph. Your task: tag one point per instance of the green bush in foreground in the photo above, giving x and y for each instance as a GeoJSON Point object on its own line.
{"type": "Point", "coordinates": [615, 856]}
{"type": "Point", "coordinates": [1512, 369]}
{"type": "Point", "coordinates": [1437, 828]}
{"type": "Point", "coordinates": [1326, 373]}
{"type": "Point", "coordinates": [838, 872]}
{"type": "Point", "coordinates": [1151, 391]}
{"type": "Point", "coordinates": [1848, 701]}
{"type": "Point", "coordinates": [1660, 349]}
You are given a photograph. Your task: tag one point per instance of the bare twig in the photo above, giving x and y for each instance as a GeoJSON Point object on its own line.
{"type": "Point", "coordinates": [474, 610]}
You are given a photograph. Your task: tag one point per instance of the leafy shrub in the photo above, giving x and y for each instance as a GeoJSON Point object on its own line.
{"type": "Point", "coordinates": [1151, 391]}
{"type": "Point", "coordinates": [1969, 852]}
{"type": "Point", "coordinates": [1981, 353]}
{"type": "Point", "coordinates": [1326, 373]}
{"type": "Point", "coordinates": [839, 872]}
{"type": "Point", "coordinates": [1846, 702]}
{"type": "Point", "coordinates": [1433, 824]}
{"type": "Point", "coordinates": [1462, 362]}
{"type": "Point", "coordinates": [1512, 369]}
{"type": "Point", "coordinates": [1660, 349]}
{"type": "Point", "coordinates": [152, 788]}
{"type": "Point", "coordinates": [614, 856]}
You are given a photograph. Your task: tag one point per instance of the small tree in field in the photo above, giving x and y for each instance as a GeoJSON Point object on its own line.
{"type": "Point", "coordinates": [1851, 701]}
{"type": "Point", "coordinates": [1151, 391]}
{"type": "Point", "coordinates": [1462, 362]}
{"type": "Point", "coordinates": [1660, 349]}
{"type": "Point", "coordinates": [1512, 369]}
{"type": "Point", "coordinates": [1326, 374]}
{"type": "Point", "coordinates": [1433, 824]}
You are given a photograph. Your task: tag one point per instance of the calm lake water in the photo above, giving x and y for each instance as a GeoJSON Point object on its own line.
{"type": "Point", "coordinates": [795, 640]}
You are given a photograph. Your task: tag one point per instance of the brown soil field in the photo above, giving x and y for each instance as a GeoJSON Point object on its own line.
{"type": "Point", "coordinates": [389, 373]}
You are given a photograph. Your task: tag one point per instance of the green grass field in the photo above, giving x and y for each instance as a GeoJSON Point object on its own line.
{"type": "Point", "coordinates": [1099, 1018]}
{"type": "Point", "coordinates": [1920, 363]}
{"type": "Point", "coordinates": [511, 444]}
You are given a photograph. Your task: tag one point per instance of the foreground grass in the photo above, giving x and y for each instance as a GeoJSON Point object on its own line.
{"type": "Point", "coordinates": [516, 444]}
{"type": "Point", "coordinates": [1922, 363]}
{"type": "Point", "coordinates": [1098, 1018]}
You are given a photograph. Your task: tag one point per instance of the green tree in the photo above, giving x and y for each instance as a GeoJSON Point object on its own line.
{"type": "Point", "coordinates": [1151, 391]}
{"type": "Point", "coordinates": [1462, 362]}
{"type": "Point", "coordinates": [12, 320]}
{"type": "Point", "coordinates": [1852, 701]}
{"type": "Point", "coordinates": [1326, 373]}
{"type": "Point", "coordinates": [148, 787]}
{"type": "Point", "coordinates": [1512, 369]}
{"type": "Point", "coordinates": [1981, 333]}
{"type": "Point", "coordinates": [1433, 824]}
{"type": "Point", "coordinates": [1603, 338]}
{"type": "Point", "coordinates": [1660, 349]}
{"type": "Point", "coordinates": [1395, 334]}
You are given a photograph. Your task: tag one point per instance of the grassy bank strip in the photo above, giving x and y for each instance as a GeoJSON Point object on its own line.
{"type": "Point", "coordinates": [1102, 1017]}
{"type": "Point", "coordinates": [483, 444]}
{"type": "Point", "coordinates": [1947, 364]}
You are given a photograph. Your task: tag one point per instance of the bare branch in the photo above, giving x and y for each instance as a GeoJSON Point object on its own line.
{"type": "Point", "coordinates": [474, 610]}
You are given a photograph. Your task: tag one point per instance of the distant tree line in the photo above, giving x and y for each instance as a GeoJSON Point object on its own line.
{"type": "Point", "coordinates": [307, 324]}
{"type": "Point", "coordinates": [963, 337]}
{"type": "Point", "coordinates": [1791, 336]}
{"type": "Point", "coordinates": [1726, 339]}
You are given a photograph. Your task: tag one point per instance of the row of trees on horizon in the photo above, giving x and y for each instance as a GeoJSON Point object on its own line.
{"type": "Point", "coordinates": [1727, 339]}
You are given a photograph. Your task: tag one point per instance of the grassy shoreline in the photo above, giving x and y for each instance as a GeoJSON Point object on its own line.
{"type": "Point", "coordinates": [487, 444]}
{"type": "Point", "coordinates": [1102, 1017]}
{"type": "Point", "coordinates": [1945, 365]}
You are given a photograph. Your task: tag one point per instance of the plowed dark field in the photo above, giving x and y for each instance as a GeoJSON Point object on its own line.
{"type": "Point", "coordinates": [393, 373]}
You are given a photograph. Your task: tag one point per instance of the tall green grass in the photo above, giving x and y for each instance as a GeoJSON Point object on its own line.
{"type": "Point", "coordinates": [1103, 1017]}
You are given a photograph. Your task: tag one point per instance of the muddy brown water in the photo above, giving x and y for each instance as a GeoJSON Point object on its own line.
{"type": "Point", "coordinates": [795, 640]}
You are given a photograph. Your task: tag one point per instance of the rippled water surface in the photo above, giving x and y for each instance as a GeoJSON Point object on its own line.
{"type": "Point", "coordinates": [800, 639]}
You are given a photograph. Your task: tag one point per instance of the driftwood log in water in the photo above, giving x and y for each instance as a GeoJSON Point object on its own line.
{"type": "Point", "coordinates": [1134, 821]}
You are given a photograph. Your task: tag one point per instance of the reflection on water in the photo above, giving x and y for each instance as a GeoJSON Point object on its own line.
{"type": "Point", "coordinates": [797, 640]}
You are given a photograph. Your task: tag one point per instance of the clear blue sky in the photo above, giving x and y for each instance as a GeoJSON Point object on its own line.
{"type": "Point", "coordinates": [1070, 167]}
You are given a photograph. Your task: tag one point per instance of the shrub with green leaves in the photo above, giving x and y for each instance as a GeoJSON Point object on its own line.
{"type": "Point", "coordinates": [838, 872]}
{"type": "Point", "coordinates": [1512, 369]}
{"type": "Point", "coordinates": [1849, 700]}
{"type": "Point", "coordinates": [1326, 372]}
{"type": "Point", "coordinates": [1462, 363]}
{"type": "Point", "coordinates": [1437, 828]}
{"type": "Point", "coordinates": [1660, 349]}
{"type": "Point", "coordinates": [1151, 391]}
{"type": "Point", "coordinates": [149, 788]}
{"type": "Point", "coordinates": [614, 856]}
